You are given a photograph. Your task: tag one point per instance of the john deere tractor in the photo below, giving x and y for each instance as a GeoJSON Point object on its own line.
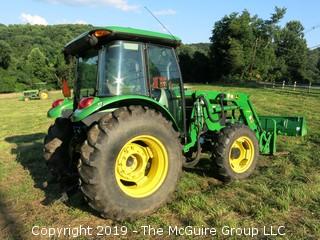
{"type": "Point", "coordinates": [35, 94]}
{"type": "Point", "coordinates": [131, 125]}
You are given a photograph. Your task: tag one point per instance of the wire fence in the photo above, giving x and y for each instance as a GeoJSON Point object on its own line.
{"type": "Point", "coordinates": [297, 88]}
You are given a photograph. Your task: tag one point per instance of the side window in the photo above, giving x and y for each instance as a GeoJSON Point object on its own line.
{"type": "Point", "coordinates": [165, 79]}
{"type": "Point", "coordinates": [163, 68]}
{"type": "Point", "coordinates": [87, 72]}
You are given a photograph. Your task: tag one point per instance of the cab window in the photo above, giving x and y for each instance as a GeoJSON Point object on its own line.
{"type": "Point", "coordinates": [165, 79]}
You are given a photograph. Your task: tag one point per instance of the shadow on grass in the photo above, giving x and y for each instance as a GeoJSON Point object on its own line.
{"type": "Point", "coordinates": [205, 168]}
{"type": "Point", "coordinates": [29, 150]}
{"type": "Point", "coordinates": [9, 222]}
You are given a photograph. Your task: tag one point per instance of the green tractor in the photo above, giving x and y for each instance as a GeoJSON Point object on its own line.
{"type": "Point", "coordinates": [35, 94]}
{"type": "Point", "coordinates": [131, 125]}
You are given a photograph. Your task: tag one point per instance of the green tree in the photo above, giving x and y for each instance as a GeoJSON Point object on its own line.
{"type": "Point", "coordinates": [63, 70]}
{"type": "Point", "coordinates": [233, 46]}
{"type": "Point", "coordinates": [291, 48]}
{"type": "Point", "coordinates": [5, 54]}
{"type": "Point", "coordinates": [49, 40]}
{"type": "Point", "coordinates": [38, 68]}
{"type": "Point", "coordinates": [243, 46]}
{"type": "Point", "coordinates": [312, 68]}
{"type": "Point", "coordinates": [194, 62]}
{"type": "Point", "coordinates": [185, 60]}
{"type": "Point", "coordinates": [276, 16]}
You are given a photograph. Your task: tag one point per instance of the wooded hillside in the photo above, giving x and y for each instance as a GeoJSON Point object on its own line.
{"type": "Point", "coordinates": [33, 54]}
{"type": "Point", "coordinates": [243, 47]}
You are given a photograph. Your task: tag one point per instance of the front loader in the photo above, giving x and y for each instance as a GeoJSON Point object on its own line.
{"type": "Point", "coordinates": [131, 125]}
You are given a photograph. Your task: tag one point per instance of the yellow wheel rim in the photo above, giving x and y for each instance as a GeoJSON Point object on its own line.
{"type": "Point", "coordinates": [141, 166]}
{"type": "Point", "coordinates": [241, 154]}
{"type": "Point", "coordinates": [43, 95]}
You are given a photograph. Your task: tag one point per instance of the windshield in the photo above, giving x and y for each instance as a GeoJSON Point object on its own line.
{"type": "Point", "coordinates": [116, 69]}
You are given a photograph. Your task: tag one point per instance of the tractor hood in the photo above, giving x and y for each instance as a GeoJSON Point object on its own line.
{"type": "Point", "coordinates": [100, 35]}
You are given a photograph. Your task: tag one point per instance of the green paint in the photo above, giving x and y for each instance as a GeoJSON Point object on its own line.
{"type": "Point", "coordinates": [139, 34]}
{"type": "Point", "coordinates": [265, 128]}
{"type": "Point", "coordinates": [57, 111]}
{"type": "Point", "coordinates": [287, 126]}
{"type": "Point", "coordinates": [101, 103]}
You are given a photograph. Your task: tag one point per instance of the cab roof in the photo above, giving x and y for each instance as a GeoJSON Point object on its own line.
{"type": "Point", "coordinates": [82, 42]}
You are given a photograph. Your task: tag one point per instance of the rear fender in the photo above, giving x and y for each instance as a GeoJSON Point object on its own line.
{"type": "Point", "coordinates": [103, 105]}
{"type": "Point", "coordinates": [63, 110]}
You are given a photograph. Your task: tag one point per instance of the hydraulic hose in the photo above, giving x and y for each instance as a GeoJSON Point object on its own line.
{"type": "Point", "coordinates": [196, 159]}
{"type": "Point", "coordinates": [205, 101]}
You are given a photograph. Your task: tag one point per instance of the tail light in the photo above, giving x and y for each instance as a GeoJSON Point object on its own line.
{"type": "Point", "coordinates": [57, 103]}
{"type": "Point", "coordinates": [85, 102]}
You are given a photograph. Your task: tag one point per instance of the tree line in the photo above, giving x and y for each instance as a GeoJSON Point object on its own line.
{"type": "Point", "coordinates": [248, 48]}
{"type": "Point", "coordinates": [32, 54]}
{"type": "Point", "coordinates": [242, 47]}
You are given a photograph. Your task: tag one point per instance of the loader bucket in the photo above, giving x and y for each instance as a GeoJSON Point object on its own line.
{"type": "Point", "coordinates": [287, 126]}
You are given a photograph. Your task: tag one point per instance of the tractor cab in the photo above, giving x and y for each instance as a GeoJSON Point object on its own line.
{"type": "Point", "coordinates": [115, 61]}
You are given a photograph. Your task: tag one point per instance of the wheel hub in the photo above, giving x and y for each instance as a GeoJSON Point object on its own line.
{"type": "Point", "coordinates": [141, 166]}
{"type": "Point", "coordinates": [130, 161]}
{"type": "Point", "coordinates": [241, 154]}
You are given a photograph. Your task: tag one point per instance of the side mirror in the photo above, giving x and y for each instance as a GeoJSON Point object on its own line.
{"type": "Point", "coordinates": [65, 89]}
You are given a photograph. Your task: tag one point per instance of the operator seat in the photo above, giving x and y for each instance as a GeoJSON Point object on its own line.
{"type": "Point", "coordinates": [161, 95]}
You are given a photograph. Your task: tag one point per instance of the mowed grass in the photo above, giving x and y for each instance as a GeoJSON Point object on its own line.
{"type": "Point", "coordinates": [284, 190]}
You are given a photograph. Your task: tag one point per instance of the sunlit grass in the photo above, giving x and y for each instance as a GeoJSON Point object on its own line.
{"type": "Point", "coordinates": [285, 189]}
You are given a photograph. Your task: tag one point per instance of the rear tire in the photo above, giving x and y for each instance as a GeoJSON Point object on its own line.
{"type": "Point", "coordinates": [235, 153]}
{"type": "Point", "coordinates": [102, 169]}
{"type": "Point", "coordinates": [56, 148]}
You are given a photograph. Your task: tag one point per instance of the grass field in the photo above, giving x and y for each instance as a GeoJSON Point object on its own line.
{"type": "Point", "coordinates": [285, 189]}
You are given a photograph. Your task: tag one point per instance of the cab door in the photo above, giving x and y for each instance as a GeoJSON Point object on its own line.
{"type": "Point", "coordinates": [165, 80]}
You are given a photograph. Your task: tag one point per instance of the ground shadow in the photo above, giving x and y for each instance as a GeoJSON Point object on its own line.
{"type": "Point", "coordinates": [29, 151]}
{"type": "Point", "coordinates": [204, 168]}
{"type": "Point", "coordinates": [8, 221]}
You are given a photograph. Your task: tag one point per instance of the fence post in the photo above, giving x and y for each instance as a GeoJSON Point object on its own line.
{"type": "Point", "coordinates": [283, 83]}
{"type": "Point", "coordinates": [309, 89]}
{"type": "Point", "coordinates": [294, 85]}
{"type": "Point", "coordinates": [273, 84]}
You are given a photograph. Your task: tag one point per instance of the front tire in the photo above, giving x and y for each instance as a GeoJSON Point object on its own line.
{"type": "Point", "coordinates": [235, 153]}
{"type": "Point", "coordinates": [130, 163]}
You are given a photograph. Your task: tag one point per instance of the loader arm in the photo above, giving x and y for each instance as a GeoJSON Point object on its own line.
{"type": "Point", "coordinates": [213, 110]}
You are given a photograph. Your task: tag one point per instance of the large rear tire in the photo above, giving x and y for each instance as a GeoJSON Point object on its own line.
{"type": "Point", "coordinates": [235, 153]}
{"type": "Point", "coordinates": [56, 148]}
{"type": "Point", "coordinates": [130, 163]}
